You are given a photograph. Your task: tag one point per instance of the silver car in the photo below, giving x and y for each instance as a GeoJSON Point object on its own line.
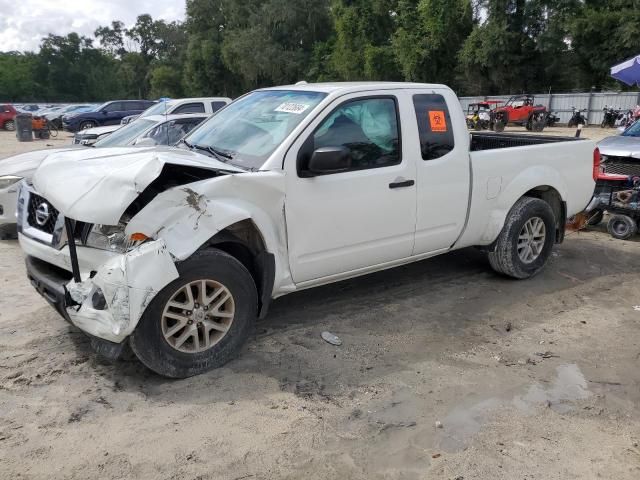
{"type": "Point", "coordinates": [621, 154]}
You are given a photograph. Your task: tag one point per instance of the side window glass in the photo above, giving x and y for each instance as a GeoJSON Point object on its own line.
{"type": "Point", "coordinates": [367, 128]}
{"type": "Point", "coordinates": [190, 108]}
{"type": "Point", "coordinates": [434, 125]}
{"type": "Point", "coordinates": [215, 106]}
{"type": "Point", "coordinates": [113, 107]}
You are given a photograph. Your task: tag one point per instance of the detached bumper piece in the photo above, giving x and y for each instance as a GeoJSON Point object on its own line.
{"type": "Point", "coordinates": [50, 282]}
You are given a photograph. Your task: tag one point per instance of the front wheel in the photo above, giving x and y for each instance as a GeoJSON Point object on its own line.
{"type": "Point", "coordinates": [200, 320]}
{"type": "Point", "coordinates": [87, 125]}
{"type": "Point", "coordinates": [526, 240]}
{"type": "Point", "coordinates": [10, 125]}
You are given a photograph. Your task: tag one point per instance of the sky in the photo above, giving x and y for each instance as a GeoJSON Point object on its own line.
{"type": "Point", "coordinates": [23, 23]}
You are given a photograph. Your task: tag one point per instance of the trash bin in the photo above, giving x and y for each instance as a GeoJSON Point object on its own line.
{"type": "Point", "coordinates": [24, 131]}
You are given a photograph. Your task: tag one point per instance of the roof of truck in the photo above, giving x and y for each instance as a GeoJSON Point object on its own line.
{"type": "Point", "coordinates": [348, 87]}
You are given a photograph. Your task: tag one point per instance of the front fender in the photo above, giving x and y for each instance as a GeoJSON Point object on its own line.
{"type": "Point", "coordinates": [188, 216]}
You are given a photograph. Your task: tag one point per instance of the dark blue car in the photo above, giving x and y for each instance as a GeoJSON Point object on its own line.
{"type": "Point", "coordinates": [109, 113]}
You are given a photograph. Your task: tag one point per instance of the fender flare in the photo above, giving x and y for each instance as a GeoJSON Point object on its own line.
{"type": "Point", "coordinates": [533, 178]}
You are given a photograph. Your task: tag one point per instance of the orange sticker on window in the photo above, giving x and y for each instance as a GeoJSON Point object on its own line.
{"type": "Point", "coordinates": [437, 121]}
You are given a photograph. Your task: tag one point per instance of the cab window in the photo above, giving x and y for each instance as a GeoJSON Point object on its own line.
{"type": "Point", "coordinates": [368, 129]}
{"type": "Point", "coordinates": [434, 125]}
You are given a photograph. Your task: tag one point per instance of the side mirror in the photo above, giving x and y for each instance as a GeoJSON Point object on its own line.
{"type": "Point", "coordinates": [330, 160]}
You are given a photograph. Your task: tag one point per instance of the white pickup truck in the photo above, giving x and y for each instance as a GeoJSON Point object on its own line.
{"type": "Point", "coordinates": [178, 250]}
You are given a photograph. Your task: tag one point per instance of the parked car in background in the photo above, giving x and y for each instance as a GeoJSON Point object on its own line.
{"type": "Point", "coordinates": [109, 113]}
{"type": "Point", "coordinates": [89, 136]}
{"type": "Point", "coordinates": [55, 116]}
{"type": "Point", "coordinates": [620, 154]}
{"type": "Point", "coordinates": [177, 252]}
{"type": "Point", "coordinates": [157, 130]}
{"type": "Point", "coordinates": [178, 123]}
{"type": "Point", "coordinates": [8, 117]}
{"type": "Point", "coordinates": [29, 108]}
{"type": "Point", "coordinates": [177, 106]}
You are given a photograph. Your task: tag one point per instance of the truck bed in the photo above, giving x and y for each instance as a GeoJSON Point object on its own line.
{"type": "Point", "coordinates": [491, 140]}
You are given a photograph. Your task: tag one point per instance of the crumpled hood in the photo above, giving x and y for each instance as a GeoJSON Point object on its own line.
{"type": "Point", "coordinates": [97, 185]}
{"type": "Point", "coordinates": [25, 164]}
{"type": "Point", "coordinates": [620, 146]}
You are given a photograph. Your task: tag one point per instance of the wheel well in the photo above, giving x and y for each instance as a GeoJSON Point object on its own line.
{"type": "Point", "coordinates": [559, 207]}
{"type": "Point", "coordinates": [244, 242]}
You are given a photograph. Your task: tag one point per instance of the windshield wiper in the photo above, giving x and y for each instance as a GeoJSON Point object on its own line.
{"type": "Point", "coordinates": [220, 156]}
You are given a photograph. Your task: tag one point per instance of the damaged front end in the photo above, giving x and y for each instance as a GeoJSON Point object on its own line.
{"type": "Point", "coordinates": [103, 246]}
{"type": "Point", "coordinates": [97, 275]}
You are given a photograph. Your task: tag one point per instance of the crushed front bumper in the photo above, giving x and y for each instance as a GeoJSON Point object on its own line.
{"type": "Point", "coordinates": [113, 292]}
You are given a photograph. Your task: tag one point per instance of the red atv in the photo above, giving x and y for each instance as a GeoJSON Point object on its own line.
{"type": "Point", "coordinates": [520, 110]}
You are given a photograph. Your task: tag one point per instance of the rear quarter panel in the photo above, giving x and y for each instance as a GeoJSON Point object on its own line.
{"type": "Point", "coordinates": [502, 176]}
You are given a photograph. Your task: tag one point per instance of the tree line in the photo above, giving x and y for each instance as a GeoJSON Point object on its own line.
{"type": "Point", "coordinates": [227, 47]}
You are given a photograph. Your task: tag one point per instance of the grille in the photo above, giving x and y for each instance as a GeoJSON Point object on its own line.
{"type": "Point", "coordinates": [622, 166]}
{"type": "Point", "coordinates": [35, 202]}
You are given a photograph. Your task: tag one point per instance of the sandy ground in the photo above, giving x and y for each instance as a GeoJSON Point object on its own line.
{"type": "Point", "coordinates": [447, 371]}
{"type": "Point", "coordinates": [9, 145]}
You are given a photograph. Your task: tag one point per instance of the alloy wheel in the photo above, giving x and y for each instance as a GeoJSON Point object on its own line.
{"type": "Point", "coordinates": [197, 316]}
{"type": "Point", "coordinates": [531, 240]}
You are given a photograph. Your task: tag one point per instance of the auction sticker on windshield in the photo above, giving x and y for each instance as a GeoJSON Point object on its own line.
{"type": "Point", "coordinates": [290, 107]}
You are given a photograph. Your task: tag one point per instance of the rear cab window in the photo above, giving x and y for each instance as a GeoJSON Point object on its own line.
{"type": "Point", "coordinates": [215, 106]}
{"type": "Point", "coordinates": [194, 107]}
{"type": "Point", "coordinates": [434, 125]}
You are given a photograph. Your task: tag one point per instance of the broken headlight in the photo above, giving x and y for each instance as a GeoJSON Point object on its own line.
{"type": "Point", "coordinates": [110, 237]}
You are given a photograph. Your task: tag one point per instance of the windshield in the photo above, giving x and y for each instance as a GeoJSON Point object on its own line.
{"type": "Point", "coordinates": [632, 131]}
{"type": "Point", "coordinates": [251, 128]}
{"type": "Point", "coordinates": [125, 135]}
{"type": "Point", "coordinates": [159, 108]}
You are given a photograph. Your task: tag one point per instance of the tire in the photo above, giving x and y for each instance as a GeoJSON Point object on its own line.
{"type": "Point", "coordinates": [595, 218]}
{"type": "Point", "coordinates": [622, 227]}
{"type": "Point", "coordinates": [571, 124]}
{"type": "Point", "coordinates": [53, 130]}
{"type": "Point", "coordinates": [153, 349]}
{"type": "Point", "coordinates": [499, 127]}
{"type": "Point", "coordinates": [10, 125]}
{"type": "Point", "coordinates": [506, 257]}
{"type": "Point", "coordinates": [538, 126]}
{"type": "Point", "coordinates": [529, 124]}
{"type": "Point", "coordinates": [86, 125]}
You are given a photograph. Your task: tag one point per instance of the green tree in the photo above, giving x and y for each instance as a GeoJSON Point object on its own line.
{"type": "Point", "coordinates": [428, 32]}
{"type": "Point", "coordinates": [603, 34]}
{"type": "Point", "coordinates": [165, 81]}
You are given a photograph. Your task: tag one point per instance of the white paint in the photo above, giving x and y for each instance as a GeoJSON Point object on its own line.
{"type": "Point", "coordinates": [320, 229]}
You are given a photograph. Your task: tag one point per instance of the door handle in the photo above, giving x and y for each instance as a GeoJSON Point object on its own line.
{"type": "Point", "coordinates": [402, 183]}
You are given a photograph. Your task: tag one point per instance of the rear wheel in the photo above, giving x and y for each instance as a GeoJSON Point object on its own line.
{"type": "Point", "coordinates": [10, 125]}
{"type": "Point", "coordinates": [622, 227]}
{"type": "Point", "coordinates": [200, 320]}
{"type": "Point", "coordinates": [86, 125]}
{"type": "Point", "coordinates": [526, 240]}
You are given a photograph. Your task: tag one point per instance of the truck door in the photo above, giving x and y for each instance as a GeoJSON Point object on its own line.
{"type": "Point", "coordinates": [360, 215]}
{"type": "Point", "coordinates": [440, 148]}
